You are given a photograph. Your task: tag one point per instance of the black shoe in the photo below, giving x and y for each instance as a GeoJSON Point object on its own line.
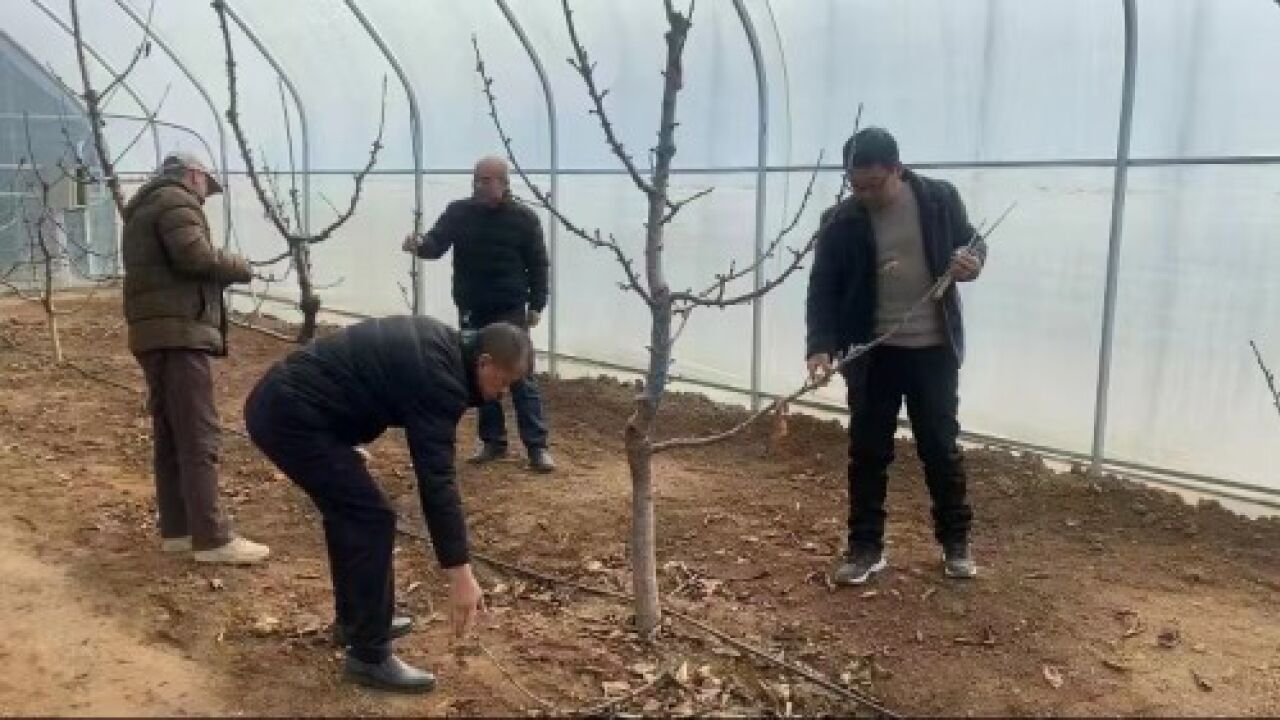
{"type": "Point", "coordinates": [859, 566]}
{"type": "Point", "coordinates": [540, 461]}
{"type": "Point", "coordinates": [487, 453]}
{"type": "Point", "coordinates": [957, 563]}
{"type": "Point", "coordinates": [390, 674]}
{"type": "Point", "coordinates": [401, 625]}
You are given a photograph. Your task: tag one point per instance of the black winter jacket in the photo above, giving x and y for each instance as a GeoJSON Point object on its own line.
{"type": "Point", "coordinates": [499, 257]}
{"type": "Point", "coordinates": [841, 305]}
{"type": "Point", "coordinates": [411, 372]}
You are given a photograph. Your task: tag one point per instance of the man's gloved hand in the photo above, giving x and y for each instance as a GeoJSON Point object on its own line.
{"type": "Point", "coordinates": [412, 243]}
{"type": "Point", "coordinates": [533, 318]}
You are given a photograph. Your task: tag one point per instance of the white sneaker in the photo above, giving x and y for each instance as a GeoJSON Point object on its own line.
{"type": "Point", "coordinates": [237, 551]}
{"type": "Point", "coordinates": [175, 544]}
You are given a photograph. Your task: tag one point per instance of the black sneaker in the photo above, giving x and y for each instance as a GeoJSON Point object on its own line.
{"type": "Point", "coordinates": [859, 566]}
{"type": "Point", "coordinates": [958, 563]}
{"type": "Point", "coordinates": [488, 453]}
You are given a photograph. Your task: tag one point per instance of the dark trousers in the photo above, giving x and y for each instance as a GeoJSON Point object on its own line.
{"type": "Point", "coordinates": [525, 396]}
{"type": "Point", "coordinates": [929, 380]}
{"type": "Point", "coordinates": [359, 522]}
{"type": "Point", "coordinates": [185, 435]}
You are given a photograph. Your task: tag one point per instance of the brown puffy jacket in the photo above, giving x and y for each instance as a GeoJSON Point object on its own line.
{"type": "Point", "coordinates": [173, 275]}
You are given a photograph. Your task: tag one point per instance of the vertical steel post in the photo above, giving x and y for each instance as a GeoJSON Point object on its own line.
{"type": "Point", "coordinates": [553, 224]}
{"type": "Point", "coordinates": [762, 157]}
{"type": "Point", "coordinates": [415, 128]}
{"type": "Point", "coordinates": [1119, 191]}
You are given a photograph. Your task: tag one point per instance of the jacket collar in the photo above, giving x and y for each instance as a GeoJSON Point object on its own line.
{"type": "Point", "coordinates": [470, 344]}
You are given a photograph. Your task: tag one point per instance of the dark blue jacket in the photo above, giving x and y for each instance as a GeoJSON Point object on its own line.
{"type": "Point", "coordinates": [841, 306]}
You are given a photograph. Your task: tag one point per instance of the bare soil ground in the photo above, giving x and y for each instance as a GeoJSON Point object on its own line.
{"type": "Point", "coordinates": [1096, 596]}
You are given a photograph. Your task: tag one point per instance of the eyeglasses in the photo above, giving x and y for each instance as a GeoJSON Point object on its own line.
{"type": "Point", "coordinates": [868, 187]}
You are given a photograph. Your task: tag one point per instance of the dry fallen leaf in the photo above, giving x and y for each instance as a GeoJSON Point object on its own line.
{"type": "Point", "coordinates": [1116, 665]}
{"type": "Point", "coordinates": [1053, 676]}
{"type": "Point", "coordinates": [681, 674]}
{"type": "Point", "coordinates": [1202, 682]}
{"type": "Point", "coordinates": [615, 687]}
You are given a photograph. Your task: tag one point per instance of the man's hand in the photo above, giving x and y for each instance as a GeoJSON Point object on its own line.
{"type": "Point", "coordinates": [965, 265]}
{"type": "Point", "coordinates": [819, 367]}
{"type": "Point", "coordinates": [412, 243]}
{"type": "Point", "coordinates": [239, 270]}
{"type": "Point", "coordinates": [534, 317]}
{"type": "Point", "coordinates": [466, 600]}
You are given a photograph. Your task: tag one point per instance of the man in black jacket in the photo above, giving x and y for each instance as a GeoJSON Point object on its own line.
{"type": "Point", "coordinates": [500, 274]}
{"type": "Point", "coordinates": [877, 257]}
{"type": "Point", "coordinates": [311, 410]}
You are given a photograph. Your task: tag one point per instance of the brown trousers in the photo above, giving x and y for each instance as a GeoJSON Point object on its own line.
{"type": "Point", "coordinates": [185, 433]}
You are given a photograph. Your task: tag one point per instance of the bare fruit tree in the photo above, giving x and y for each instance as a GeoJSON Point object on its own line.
{"type": "Point", "coordinates": [669, 309]}
{"type": "Point", "coordinates": [287, 218]}
{"type": "Point", "coordinates": [47, 190]}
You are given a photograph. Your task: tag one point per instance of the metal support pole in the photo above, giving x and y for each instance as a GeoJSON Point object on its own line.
{"type": "Point", "coordinates": [217, 117]}
{"type": "Point", "coordinates": [762, 154]}
{"type": "Point", "coordinates": [297, 101]}
{"type": "Point", "coordinates": [164, 123]}
{"type": "Point", "coordinates": [1119, 191]}
{"type": "Point", "coordinates": [98, 58]}
{"type": "Point", "coordinates": [415, 128]}
{"type": "Point", "coordinates": [553, 224]}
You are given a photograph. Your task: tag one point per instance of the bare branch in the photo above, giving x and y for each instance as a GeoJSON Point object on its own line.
{"type": "Point", "coordinates": [143, 50]}
{"type": "Point", "coordinates": [1267, 375]}
{"type": "Point", "coordinates": [595, 239]}
{"type": "Point", "coordinates": [146, 125]}
{"type": "Point", "coordinates": [94, 110]}
{"type": "Point", "coordinates": [360, 176]}
{"type": "Point", "coordinates": [978, 236]}
{"type": "Point", "coordinates": [293, 165]}
{"type": "Point", "coordinates": [581, 62]}
{"type": "Point", "coordinates": [676, 207]}
{"type": "Point", "coordinates": [512, 679]}
{"type": "Point", "coordinates": [282, 256]}
{"type": "Point", "coordinates": [404, 296]}
{"type": "Point", "coordinates": [233, 117]}
{"type": "Point", "coordinates": [713, 295]}
{"type": "Point", "coordinates": [853, 352]}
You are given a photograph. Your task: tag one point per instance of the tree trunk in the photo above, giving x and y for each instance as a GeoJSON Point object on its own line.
{"type": "Point", "coordinates": [50, 312]}
{"type": "Point", "coordinates": [644, 558]}
{"type": "Point", "coordinates": [308, 301]}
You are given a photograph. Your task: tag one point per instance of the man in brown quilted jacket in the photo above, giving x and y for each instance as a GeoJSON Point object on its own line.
{"type": "Point", "coordinates": [174, 279]}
